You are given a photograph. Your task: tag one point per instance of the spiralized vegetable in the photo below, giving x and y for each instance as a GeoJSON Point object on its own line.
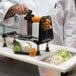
{"type": "Point", "coordinates": [61, 56]}
{"type": "Point", "coordinates": [56, 59]}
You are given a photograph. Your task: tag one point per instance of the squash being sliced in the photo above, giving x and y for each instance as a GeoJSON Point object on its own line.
{"type": "Point", "coordinates": [17, 46]}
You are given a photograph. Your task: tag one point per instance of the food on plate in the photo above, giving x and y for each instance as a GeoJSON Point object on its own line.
{"type": "Point", "coordinates": [64, 53]}
{"type": "Point", "coordinates": [56, 59]}
{"type": "Point", "coordinates": [32, 52]}
{"type": "Point", "coordinates": [61, 56]}
{"type": "Point", "coordinates": [17, 46]}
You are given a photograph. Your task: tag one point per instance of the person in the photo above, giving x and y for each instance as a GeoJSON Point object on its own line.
{"type": "Point", "coordinates": [62, 12]}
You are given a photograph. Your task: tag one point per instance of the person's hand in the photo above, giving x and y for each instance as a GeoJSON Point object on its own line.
{"type": "Point", "coordinates": [19, 9]}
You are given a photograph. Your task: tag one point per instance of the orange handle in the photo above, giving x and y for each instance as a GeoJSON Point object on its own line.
{"type": "Point", "coordinates": [36, 19]}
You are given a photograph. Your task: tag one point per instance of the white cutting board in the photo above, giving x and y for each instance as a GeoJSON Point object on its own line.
{"type": "Point", "coordinates": [38, 60]}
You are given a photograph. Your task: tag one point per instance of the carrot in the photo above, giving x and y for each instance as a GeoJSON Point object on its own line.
{"type": "Point", "coordinates": [47, 24]}
{"type": "Point", "coordinates": [36, 19]}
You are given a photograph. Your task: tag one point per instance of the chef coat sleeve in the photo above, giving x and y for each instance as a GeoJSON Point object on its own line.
{"type": "Point", "coordinates": [4, 7]}
{"type": "Point", "coordinates": [69, 23]}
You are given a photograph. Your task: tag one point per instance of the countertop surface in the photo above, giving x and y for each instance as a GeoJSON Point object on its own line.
{"type": "Point", "coordinates": [39, 60]}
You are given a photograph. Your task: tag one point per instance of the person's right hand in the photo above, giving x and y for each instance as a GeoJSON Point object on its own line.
{"type": "Point", "coordinates": [19, 9]}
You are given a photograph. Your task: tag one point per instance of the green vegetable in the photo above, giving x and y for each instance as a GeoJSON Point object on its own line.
{"type": "Point", "coordinates": [68, 57]}
{"type": "Point", "coordinates": [17, 46]}
{"type": "Point", "coordinates": [64, 53]}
